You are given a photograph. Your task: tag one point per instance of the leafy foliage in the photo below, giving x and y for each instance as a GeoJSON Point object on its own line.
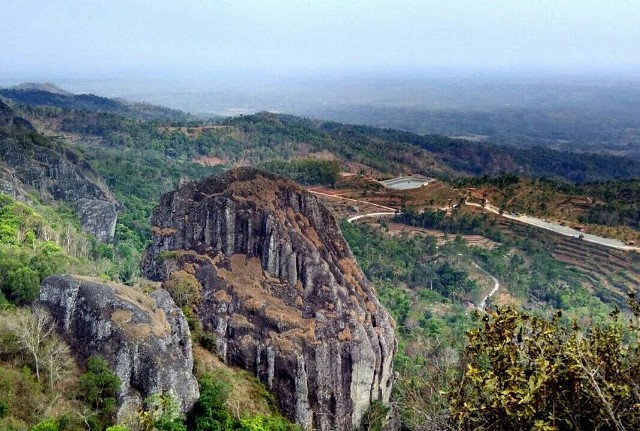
{"type": "Point", "coordinates": [46, 425]}
{"type": "Point", "coordinates": [526, 372]}
{"type": "Point", "coordinates": [184, 288]}
{"type": "Point", "coordinates": [160, 414]}
{"type": "Point", "coordinates": [210, 412]}
{"type": "Point", "coordinates": [98, 388]}
{"type": "Point", "coordinates": [305, 171]}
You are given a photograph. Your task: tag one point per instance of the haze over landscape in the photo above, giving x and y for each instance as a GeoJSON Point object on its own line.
{"type": "Point", "coordinates": [368, 215]}
{"type": "Point", "coordinates": [247, 52]}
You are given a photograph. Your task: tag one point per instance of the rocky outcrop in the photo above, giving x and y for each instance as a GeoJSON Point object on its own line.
{"type": "Point", "coordinates": [97, 217]}
{"type": "Point", "coordinates": [145, 338]}
{"type": "Point", "coordinates": [281, 293]}
{"type": "Point", "coordinates": [55, 172]}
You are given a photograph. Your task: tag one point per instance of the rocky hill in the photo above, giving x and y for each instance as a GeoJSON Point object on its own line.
{"type": "Point", "coordinates": [145, 339]}
{"type": "Point", "coordinates": [29, 160]}
{"type": "Point", "coordinates": [281, 293]}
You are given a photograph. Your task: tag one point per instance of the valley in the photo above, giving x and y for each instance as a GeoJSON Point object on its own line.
{"type": "Point", "coordinates": [417, 237]}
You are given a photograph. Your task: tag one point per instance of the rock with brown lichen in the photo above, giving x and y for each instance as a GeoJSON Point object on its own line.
{"type": "Point", "coordinates": [144, 338]}
{"type": "Point", "coordinates": [281, 292]}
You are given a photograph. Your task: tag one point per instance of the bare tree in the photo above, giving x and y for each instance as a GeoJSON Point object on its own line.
{"type": "Point", "coordinates": [33, 329]}
{"type": "Point", "coordinates": [56, 358]}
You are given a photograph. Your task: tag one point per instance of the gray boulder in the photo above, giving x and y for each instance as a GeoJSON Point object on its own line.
{"type": "Point", "coordinates": [97, 217]}
{"type": "Point", "coordinates": [145, 338]}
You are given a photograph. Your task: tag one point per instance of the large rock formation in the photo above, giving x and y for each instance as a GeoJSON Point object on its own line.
{"type": "Point", "coordinates": [281, 293]}
{"type": "Point", "coordinates": [29, 160]}
{"type": "Point", "coordinates": [145, 338]}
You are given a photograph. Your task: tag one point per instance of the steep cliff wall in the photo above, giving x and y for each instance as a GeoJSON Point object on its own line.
{"type": "Point", "coordinates": [281, 293]}
{"type": "Point", "coordinates": [145, 339]}
{"type": "Point", "coordinates": [56, 173]}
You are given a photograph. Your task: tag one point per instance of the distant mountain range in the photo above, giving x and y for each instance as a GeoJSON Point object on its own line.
{"type": "Point", "coordinates": [246, 138]}
{"type": "Point", "coordinates": [46, 94]}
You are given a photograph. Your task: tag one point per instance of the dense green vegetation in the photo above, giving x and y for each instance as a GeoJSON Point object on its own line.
{"type": "Point", "coordinates": [98, 389]}
{"type": "Point", "coordinates": [211, 414]}
{"type": "Point", "coordinates": [305, 171]}
{"type": "Point", "coordinates": [524, 263]}
{"type": "Point", "coordinates": [620, 203]}
{"type": "Point", "coordinates": [612, 203]}
{"type": "Point", "coordinates": [427, 289]}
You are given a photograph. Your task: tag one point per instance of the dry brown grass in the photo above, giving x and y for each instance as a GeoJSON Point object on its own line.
{"type": "Point", "coordinates": [245, 280]}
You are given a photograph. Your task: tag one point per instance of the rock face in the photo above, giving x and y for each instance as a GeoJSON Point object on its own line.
{"type": "Point", "coordinates": [56, 173]}
{"type": "Point", "coordinates": [145, 339]}
{"type": "Point", "coordinates": [282, 293]}
{"type": "Point", "coordinates": [97, 217]}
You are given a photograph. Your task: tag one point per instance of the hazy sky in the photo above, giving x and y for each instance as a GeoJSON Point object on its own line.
{"type": "Point", "coordinates": [168, 38]}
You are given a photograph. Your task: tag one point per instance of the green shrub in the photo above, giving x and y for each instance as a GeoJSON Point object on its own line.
{"type": "Point", "coordinates": [209, 412]}
{"type": "Point", "coordinates": [184, 288]}
{"type": "Point", "coordinates": [4, 409]}
{"type": "Point", "coordinates": [525, 372]}
{"type": "Point", "coordinates": [46, 425]}
{"type": "Point", "coordinates": [24, 285]}
{"type": "Point", "coordinates": [261, 423]}
{"type": "Point", "coordinates": [98, 388]}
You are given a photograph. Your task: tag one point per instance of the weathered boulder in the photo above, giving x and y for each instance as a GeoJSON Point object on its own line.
{"type": "Point", "coordinates": [282, 293]}
{"type": "Point", "coordinates": [56, 172]}
{"type": "Point", "coordinates": [145, 338]}
{"type": "Point", "coordinates": [97, 217]}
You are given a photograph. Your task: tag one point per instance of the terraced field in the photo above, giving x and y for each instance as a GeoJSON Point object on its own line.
{"type": "Point", "coordinates": [616, 270]}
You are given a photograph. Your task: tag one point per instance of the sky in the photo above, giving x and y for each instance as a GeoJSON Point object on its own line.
{"type": "Point", "coordinates": [53, 39]}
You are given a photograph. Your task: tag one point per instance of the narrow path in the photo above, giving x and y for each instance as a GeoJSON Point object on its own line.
{"type": "Point", "coordinates": [351, 200]}
{"type": "Point", "coordinates": [496, 286]}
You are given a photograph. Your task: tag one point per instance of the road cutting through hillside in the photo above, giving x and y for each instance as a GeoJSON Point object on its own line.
{"type": "Point", "coordinates": [375, 215]}
{"type": "Point", "coordinates": [532, 221]}
{"type": "Point", "coordinates": [560, 230]}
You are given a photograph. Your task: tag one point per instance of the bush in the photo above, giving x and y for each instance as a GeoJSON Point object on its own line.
{"type": "Point", "coordinates": [98, 388]}
{"type": "Point", "coordinates": [161, 414]}
{"type": "Point", "coordinates": [24, 285]}
{"type": "Point", "coordinates": [261, 423]}
{"type": "Point", "coordinates": [525, 372]}
{"type": "Point", "coordinates": [46, 425]}
{"type": "Point", "coordinates": [184, 288]}
{"type": "Point", "coordinates": [209, 413]}
{"type": "Point", "coordinates": [4, 409]}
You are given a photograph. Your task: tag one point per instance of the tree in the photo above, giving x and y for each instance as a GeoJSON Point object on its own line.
{"type": "Point", "coordinates": [46, 425]}
{"type": "Point", "coordinates": [99, 388]}
{"type": "Point", "coordinates": [209, 412]}
{"type": "Point", "coordinates": [33, 331]}
{"type": "Point", "coordinates": [56, 358]}
{"type": "Point", "coordinates": [160, 414]}
{"type": "Point", "coordinates": [24, 284]}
